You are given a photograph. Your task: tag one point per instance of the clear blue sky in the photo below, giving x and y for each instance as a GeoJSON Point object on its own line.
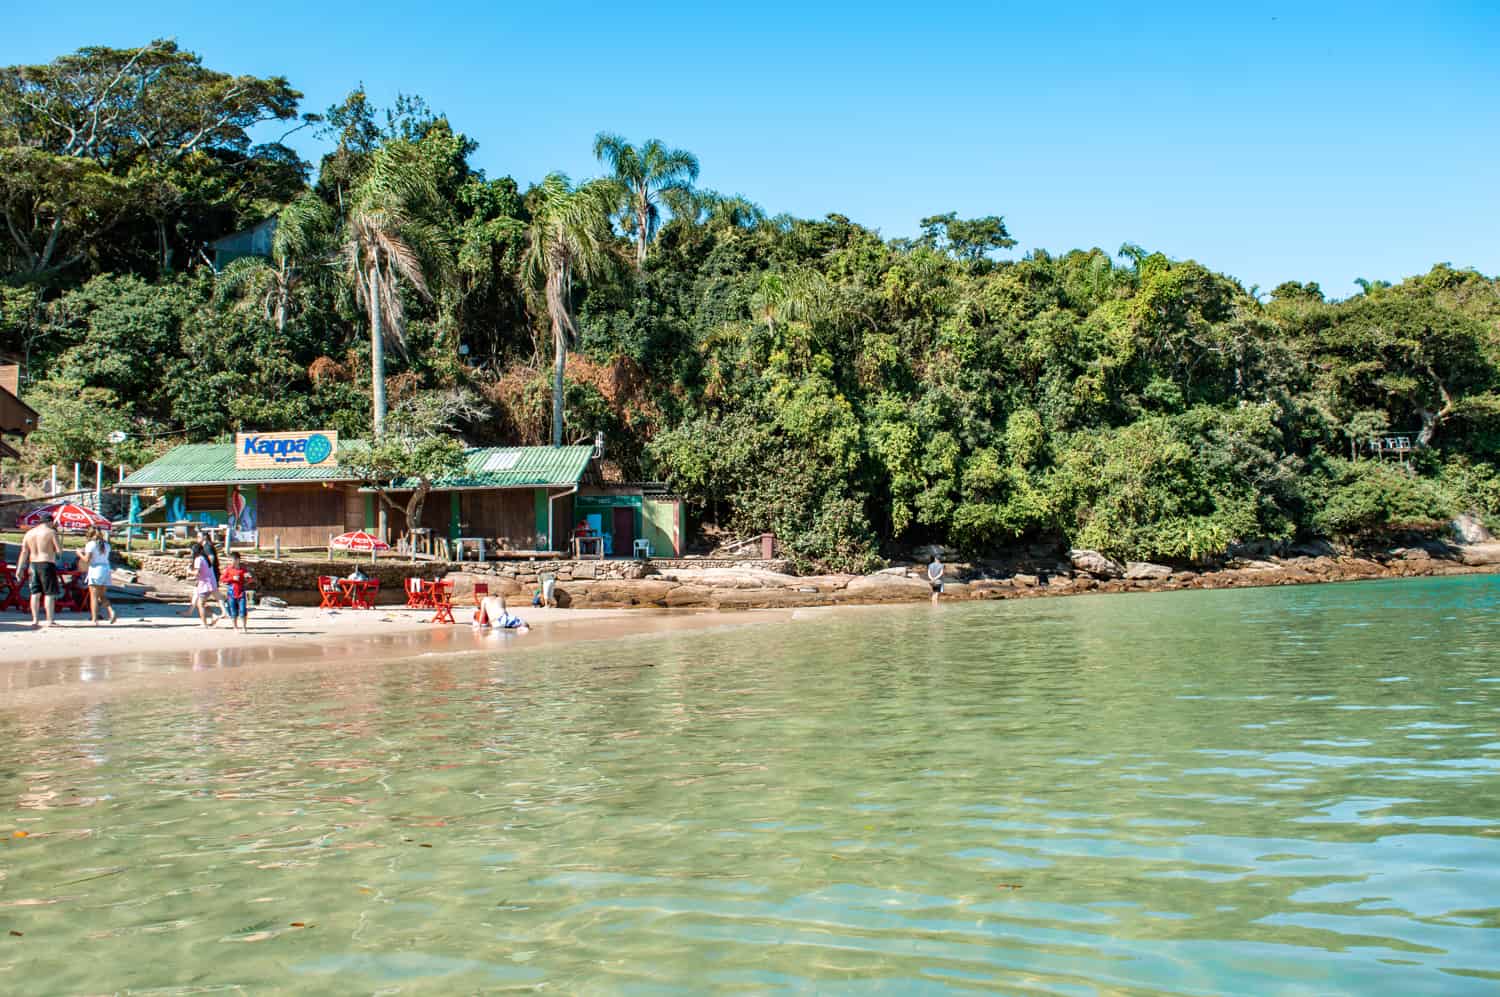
{"type": "Point", "coordinates": [1266, 141]}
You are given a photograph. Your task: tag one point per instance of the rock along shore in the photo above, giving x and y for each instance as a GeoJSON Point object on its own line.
{"type": "Point", "coordinates": [769, 585]}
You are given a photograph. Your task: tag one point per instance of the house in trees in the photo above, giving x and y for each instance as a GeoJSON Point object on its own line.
{"type": "Point", "coordinates": [16, 417]}
{"type": "Point", "coordinates": [253, 241]}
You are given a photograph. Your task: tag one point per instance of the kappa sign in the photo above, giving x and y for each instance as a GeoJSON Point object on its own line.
{"type": "Point", "coordinates": [259, 451]}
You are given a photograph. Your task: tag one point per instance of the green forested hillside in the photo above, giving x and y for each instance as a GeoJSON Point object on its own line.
{"type": "Point", "coordinates": [852, 393]}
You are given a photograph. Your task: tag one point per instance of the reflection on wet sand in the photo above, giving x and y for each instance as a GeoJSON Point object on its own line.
{"type": "Point", "coordinates": [26, 682]}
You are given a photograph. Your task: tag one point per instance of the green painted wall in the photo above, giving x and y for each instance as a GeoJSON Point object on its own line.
{"type": "Point", "coordinates": [604, 506]}
{"type": "Point", "coordinates": [663, 526]}
{"type": "Point", "coordinates": [455, 515]}
{"type": "Point", "coordinates": [539, 496]}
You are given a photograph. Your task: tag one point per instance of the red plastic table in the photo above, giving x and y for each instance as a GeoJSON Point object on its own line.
{"type": "Point", "coordinates": [357, 592]}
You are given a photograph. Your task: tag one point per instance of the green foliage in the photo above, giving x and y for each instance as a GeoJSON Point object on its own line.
{"type": "Point", "coordinates": [74, 424]}
{"type": "Point", "coordinates": [1352, 498]}
{"type": "Point", "coordinates": [856, 395]}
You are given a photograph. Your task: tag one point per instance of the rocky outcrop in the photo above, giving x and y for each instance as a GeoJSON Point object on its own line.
{"type": "Point", "coordinates": [1145, 570]}
{"type": "Point", "coordinates": [1469, 530]}
{"type": "Point", "coordinates": [1096, 564]}
{"type": "Point", "coordinates": [1481, 555]}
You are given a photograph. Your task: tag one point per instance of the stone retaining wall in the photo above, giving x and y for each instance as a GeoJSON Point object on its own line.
{"type": "Point", "coordinates": [757, 585]}
{"type": "Point", "coordinates": [296, 581]}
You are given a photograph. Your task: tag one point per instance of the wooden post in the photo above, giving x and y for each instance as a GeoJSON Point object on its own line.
{"type": "Point", "coordinates": [76, 486]}
{"type": "Point", "coordinates": [98, 485]}
{"type": "Point", "coordinates": [161, 539]}
{"type": "Point", "coordinates": [278, 546]}
{"type": "Point", "coordinates": [54, 481]}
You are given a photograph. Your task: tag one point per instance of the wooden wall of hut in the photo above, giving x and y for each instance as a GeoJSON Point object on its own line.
{"type": "Point", "coordinates": [305, 515]}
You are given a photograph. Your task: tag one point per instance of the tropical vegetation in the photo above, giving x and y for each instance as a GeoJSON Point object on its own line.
{"type": "Point", "coordinates": [858, 395]}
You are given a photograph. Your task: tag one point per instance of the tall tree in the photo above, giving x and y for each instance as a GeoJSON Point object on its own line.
{"type": "Point", "coordinates": [102, 136]}
{"type": "Point", "coordinates": [569, 237]}
{"type": "Point", "coordinates": [649, 177]}
{"type": "Point", "coordinates": [383, 247]}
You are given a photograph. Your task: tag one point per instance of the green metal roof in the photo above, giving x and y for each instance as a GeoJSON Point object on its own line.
{"type": "Point", "coordinates": [213, 464]}
{"type": "Point", "coordinates": [516, 467]}
{"type": "Point", "coordinates": [484, 467]}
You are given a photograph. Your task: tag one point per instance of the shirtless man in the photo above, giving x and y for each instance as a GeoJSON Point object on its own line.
{"type": "Point", "coordinates": [40, 549]}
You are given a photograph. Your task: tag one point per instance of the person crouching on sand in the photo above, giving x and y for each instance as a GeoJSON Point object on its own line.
{"type": "Point", "coordinates": [96, 556]}
{"type": "Point", "coordinates": [492, 613]}
{"type": "Point", "coordinates": [237, 581]}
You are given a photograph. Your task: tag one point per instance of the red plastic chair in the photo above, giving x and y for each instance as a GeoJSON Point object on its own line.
{"type": "Point", "coordinates": [328, 588]}
{"type": "Point", "coordinates": [442, 601]}
{"type": "Point", "coordinates": [370, 592]}
{"type": "Point", "coordinates": [417, 594]}
{"type": "Point", "coordinates": [12, 589]}
{"type": "Point", "coordinates": [481, 589]}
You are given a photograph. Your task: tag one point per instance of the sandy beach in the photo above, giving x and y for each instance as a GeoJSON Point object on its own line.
{"type": "Point", "coordinates": [152, 645]}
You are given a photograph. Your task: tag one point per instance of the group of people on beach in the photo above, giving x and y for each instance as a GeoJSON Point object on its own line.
{"type": "Point", "coordinates": [42, 549]}
{"type": "Point", "coordinates": [208, 577]}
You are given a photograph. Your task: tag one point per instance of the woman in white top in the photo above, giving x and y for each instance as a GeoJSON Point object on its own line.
{"type": "Point", "coordinates": [207, 587]}
{"type": "Point", "coordinates": [96, 557]}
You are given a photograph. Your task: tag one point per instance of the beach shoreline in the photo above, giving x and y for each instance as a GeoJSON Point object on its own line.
{"type": "Point", "coordinates": [153, 648]}
{"type": "Point", "coordinates": [156, 644]}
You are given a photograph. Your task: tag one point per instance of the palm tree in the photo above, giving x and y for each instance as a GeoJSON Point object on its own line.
{"type": "Point", "coordinates": [648, 177]}
{"type": "Point", "coordinates": [384, 243]}
{"type": "Point", "coordinates": [570, 236]}
{"type": "Point", "coordinates": [302, 232]}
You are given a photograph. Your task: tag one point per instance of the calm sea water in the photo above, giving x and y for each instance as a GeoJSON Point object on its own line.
{"type": "Point", "coordinates": [1271, 791]}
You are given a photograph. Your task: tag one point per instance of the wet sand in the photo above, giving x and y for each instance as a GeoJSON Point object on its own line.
{"type": "Point", "coordinates": [152, 647]}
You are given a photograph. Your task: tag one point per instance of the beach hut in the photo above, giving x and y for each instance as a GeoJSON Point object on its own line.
{"type": "Point", "coordinates": [291, 488]}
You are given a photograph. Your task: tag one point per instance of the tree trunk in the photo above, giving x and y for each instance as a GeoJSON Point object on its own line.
{"type": "Point", "coordinates": [1429, 428]}
{"type": "Point", "coordinates": [1431, 420]}
{"type": "Point", "coordinates": [642, 232]}
{"type": "Point", "coordinates": [559, 360]}
{"type": "Point", "coordinates": [415, 503]}
{"type": "Point", "coordinates": [377, 376]}
{"type": "Point", "coordinates": [557, 305]}
{"type": "Point", "coordinates": [377, 356]}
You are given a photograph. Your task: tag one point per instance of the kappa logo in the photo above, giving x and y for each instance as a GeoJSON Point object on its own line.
{"type": "Point", "coordinates": [314, 449]}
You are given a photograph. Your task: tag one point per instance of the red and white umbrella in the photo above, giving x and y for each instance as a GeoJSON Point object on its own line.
{"type": "Point", "coordinates": [359, 540]}
{"type": "Point", "coordinates": [65, 516]}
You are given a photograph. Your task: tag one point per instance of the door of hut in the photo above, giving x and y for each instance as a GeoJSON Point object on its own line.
{"type": "Point", "coordinates": [623, 538]}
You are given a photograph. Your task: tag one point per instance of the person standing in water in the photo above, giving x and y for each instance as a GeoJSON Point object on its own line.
{"type": "Point", "coordinates": [935, 577]}
{"type": "Point", "coordinates": [96, 556]}
{"type": "Point", "coordinates": [40, 550]}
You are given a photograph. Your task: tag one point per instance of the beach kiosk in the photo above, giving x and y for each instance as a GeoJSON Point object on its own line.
{"type": "Point", "coordinates": [291, 486]}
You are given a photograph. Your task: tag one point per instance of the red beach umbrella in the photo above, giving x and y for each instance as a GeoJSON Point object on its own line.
{"type": "Point", "coordinates": [359, 540]}
{"type": "Point", "coordinates": [66, 516]}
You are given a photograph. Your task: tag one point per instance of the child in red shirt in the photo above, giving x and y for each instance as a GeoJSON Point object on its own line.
{"type": "Point", "coordinates": [236, 580]}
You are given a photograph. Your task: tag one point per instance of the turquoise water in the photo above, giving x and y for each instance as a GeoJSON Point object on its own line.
{"type": "Point", "coordinates": [1290, 790]}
